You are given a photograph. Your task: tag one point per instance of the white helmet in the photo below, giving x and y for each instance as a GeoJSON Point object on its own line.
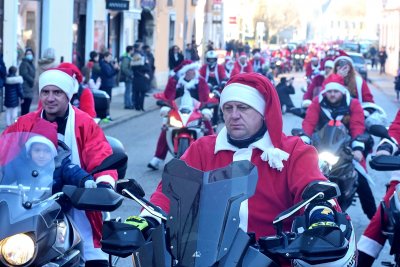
{"type": "Point", "coordinates": [211, 58]}
{"type": "Point", "coordinates": [374, 114]}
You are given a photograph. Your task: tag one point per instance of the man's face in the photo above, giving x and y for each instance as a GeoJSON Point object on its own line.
{"type": "Point", "coordinates": [334, 96]}
{"type": "Point", "coordinates": [41, 154]}
{"type": "Point", "coordinates": [242, 60]}
{"type": "Point", "coordinates": [54, 100]}
{"type": "Point", "coordinates": [190, 74]}
{"type": "Point", "coordinates": [328, 71]}
{"type": "Point", "coordinates": [241, 120]}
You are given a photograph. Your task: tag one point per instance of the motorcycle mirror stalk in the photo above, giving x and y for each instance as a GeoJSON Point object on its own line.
{"type": "Point", "coordinates": [316, 191]}
{"type": "Point", "coordinates": [132, 189]}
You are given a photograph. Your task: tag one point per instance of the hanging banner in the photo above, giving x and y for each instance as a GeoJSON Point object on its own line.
{"type": "Point", "coordinates": [117, 5]}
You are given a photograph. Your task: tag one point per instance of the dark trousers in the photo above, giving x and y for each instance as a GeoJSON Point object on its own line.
{"type": "Point", "coordinates": [138, 98]}
{"type": "Point", "coordinates": [26, 106]}
{"type": "Point", "coordinates": [367, 199]}
{"type": "Point", "coordinates": [97, 263]}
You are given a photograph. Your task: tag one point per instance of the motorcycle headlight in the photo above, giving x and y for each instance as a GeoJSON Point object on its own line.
{"type": "Point", "coordinates": [17, 249]}
{"type": "Point", "coordinates": [175, 123]}
{"type": "Point", "coordinates": [328, 157]}
{"type": "Point", "coordinates": [297, 56]}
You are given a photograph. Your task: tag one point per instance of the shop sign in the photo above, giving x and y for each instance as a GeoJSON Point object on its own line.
{"type": "Point", "coordinates": [148, 4]}
{"type": "Point", "coordinates": [117, 5]}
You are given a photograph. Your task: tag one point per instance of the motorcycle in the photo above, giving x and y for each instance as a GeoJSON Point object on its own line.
{"type": "Point", "coordinates": [335, 156]}
{"type": "Point", "coordinates": [202, 228]}
{"type": "Point", "coordinates": [184, 121]}
{"type": "Point", "coordinates": [35, 230]}
{"type": "Point", "coordinates": [390, 225]}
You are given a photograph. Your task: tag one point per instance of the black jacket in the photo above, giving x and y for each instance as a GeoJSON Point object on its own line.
{"type": "Point", "coordinates": [13, 91]}
{"type": "Point", "coordinates": [27, 71]}
{"type": "Point", "coordinates": [108, 73]}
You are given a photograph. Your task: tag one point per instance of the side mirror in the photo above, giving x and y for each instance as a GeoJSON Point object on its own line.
{"type": "Point", "coordinates": [101, 199]}
{"type": "Point", "coordinates": [162, 103]}
{"type": "Point", "coordinates": [131, 185]}
{"type": "Point", "coordinates": [385, 163]}
{"type": "Point", "coordinates": [330, 190]}
{"type": "Point", "coordinates": [114, 161]}
{"type": "Point", "coordinates": [379, 130]}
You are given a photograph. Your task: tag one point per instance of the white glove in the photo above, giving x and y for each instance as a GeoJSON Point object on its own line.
{"type": "Point", "coordinates": [164, 111]}
{"type": "Point", "coordinates": [207, 114]}
{"type": "Point", "coordinates": [306, 103]}
{"type": "Point", "coordinates": [90, 184]}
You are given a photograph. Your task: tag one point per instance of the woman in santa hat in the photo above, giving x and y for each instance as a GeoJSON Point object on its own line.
{"type": "Point", "coordinates": [358, 88]}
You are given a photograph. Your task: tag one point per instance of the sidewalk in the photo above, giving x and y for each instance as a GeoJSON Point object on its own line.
{"type": "Point", "coordinates": [117, 111]}
{"type": "Point", "coordinates": [383, 82]}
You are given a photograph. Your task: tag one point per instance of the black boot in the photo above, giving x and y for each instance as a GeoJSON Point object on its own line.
{"type": "Point", "coordinates": [364, 260]}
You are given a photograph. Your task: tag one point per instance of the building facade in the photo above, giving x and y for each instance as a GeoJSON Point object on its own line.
{"type": "Point", "coordinates": [74, 28]}
{"type": "Point", "coordinates": [390, 34]}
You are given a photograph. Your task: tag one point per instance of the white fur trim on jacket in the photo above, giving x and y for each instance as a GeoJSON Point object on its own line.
{"type": "Point", "coordinates": [274, 156]}
{"type": "Point", "coordinates": [369, 246]}
{"type": "Point", "coordinates": [184, 69]}
{"type": "Point", "coordinates": [390, 142]}
{"type": "Point", "coordinates": [14, 80]}
{"type": "Point", "coordinates": [190, 84]}
{"type": "Point", "coordinates": [106, 179]}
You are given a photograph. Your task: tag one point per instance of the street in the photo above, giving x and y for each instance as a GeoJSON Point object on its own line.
{"type": "Point", "coordinates": [140, 134]}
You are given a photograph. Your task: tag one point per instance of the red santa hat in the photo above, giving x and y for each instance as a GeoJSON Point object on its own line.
{"type": "Point", "coordinates": [43, 132]}
{"type": "Point", "coordinates": [186, 65]}
{"type": "Point", "coordinates": [74, 68]}
{"type": "Point", "coordinates": [329, 64]}
{"type": "Point", "coordinates": [343, 56]}
{"type": "Point", "coordinates": [334, 82]}
{"type": "Point", "coordinates": [242, 54]}
{"type": "Point", "coordinates": [257, 91]}
{"type": "Point", "coordinates": [63, 78]}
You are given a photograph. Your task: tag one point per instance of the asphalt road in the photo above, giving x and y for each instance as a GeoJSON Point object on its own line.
{"type": "Point", "coordinates": [140, 134]}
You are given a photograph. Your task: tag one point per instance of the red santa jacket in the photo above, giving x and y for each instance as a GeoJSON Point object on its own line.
{"type": "Point", "coordinates": [219, 73]}
{"type": "Point", "coordinates": [356, 123]}
{"type": "Point", "coordinates": [311, 69]}
{"type": "Point", "coordinates": [237, 68]}
{"type": "Point", "coordinates": [394, 129]}
{"type": "Point", "coordinates": [314, 87]}
{"type": "Point", "coordinates": [93, 148]}
{"type": "Point", "coordinates": [299, 170]}
{"type": "Point", "coordinates": [262, 62]}
{"type": "Point", "coordinates": [199, 82]}
{"type": "Point", "coordinates": [362, 93]}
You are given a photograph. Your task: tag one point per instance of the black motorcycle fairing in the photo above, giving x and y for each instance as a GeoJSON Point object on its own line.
{"type": "Point", "coordinates": [215, 195]}
{"type": "Point", "coordinates": [331, 138]}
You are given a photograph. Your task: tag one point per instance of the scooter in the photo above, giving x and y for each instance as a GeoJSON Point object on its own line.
{"type": "Point", "coordinates": [35, 230]}
{"type": "Point", "coordinates": [202, 227]}
{"type": "Point", "coordinates": [184, 121]}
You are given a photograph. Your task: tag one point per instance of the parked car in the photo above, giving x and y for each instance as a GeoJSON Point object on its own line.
{"type": "Point", "coordinates": [359, 64]}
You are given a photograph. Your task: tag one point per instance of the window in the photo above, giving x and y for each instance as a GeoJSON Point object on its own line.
{"type": "Point", "coordinates": [170, 2]}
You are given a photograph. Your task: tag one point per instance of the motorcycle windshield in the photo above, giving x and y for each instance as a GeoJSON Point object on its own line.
{"type": "Point", "coordinates": [330, 137]}
{"type": "Point", "coordinates": [26, 173]}
{"type": "Point", "coordinates": [204, 209]}
{"type": "Point", "coordinates": [186, 103]}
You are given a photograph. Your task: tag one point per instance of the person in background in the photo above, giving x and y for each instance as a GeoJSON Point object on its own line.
{"type": "Point", "coordinates": [47, 61]}
{"type": "Point", "coordinates": [27, 70]}
{"type": "Point", "coordinates": [141, 80]}
{"type": "Point", "coordinates": [188, 52]}
{"type": "Point", "coordinates": [372, 54]}
{"type": "Point", "coordinates": [12, 95]}
{"type": "Point", "coordinates": [93, 65]}
{"type": "Point", "coordinates": [150, 60]}
{"type": "Point", "coordinates": [109, 70]}
{"type": "Point", "coordinates": [382, 55]}
{"type": "Point", "coordinates": [242, 65]}
{"type": "Point", "coordinates": [3, 69]}
{"type": "Point", "coordinates": [229, 64]}
{"type": "Point", "coordinates": [126, 76]}
{"type": "Point", "coordinates": [285, 89]}
{"type": "Point", "coordinates": [397, 85]}
{"type": "Point", "coordinates": [88, 80]}
{"type": "Point", "coordinates": [175, 57]}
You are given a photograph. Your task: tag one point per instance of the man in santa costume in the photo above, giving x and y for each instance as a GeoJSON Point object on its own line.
{"type": "Point", "coordinates": [187, 77]}
{"type": "Point", "coordinates": [372, 241]}
{"type": "Point", "coordinates": [213, 72]}
{"type": "Point", "coordinates": [313, 68]}
{"type": "Point", "coordinates": [335, 98]}
{"type": "Point", "coordinates": [253, 131]}
{"type": "Point", "coordinates": [242, 65]}
{"type": "Point", "coordinates": [228, 64]}
{"type": "Point", "coordinates": [88, 145]}
{"type": "Point", "coordinates": [257, 62]}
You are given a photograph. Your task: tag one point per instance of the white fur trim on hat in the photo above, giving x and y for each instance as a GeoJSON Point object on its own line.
{"type": "Point", "coordinates": [329, 64]}
{"type": "Point", "coordinates": [345, 58]}
{"type": "Point", "coordinates": [187, 67]}
{"type": "Point", "coordinates": [335, 86]}
{"type": "Point", "coordinates": [42, 140]}
{"type": "Point", "coordinates": [244, 94]}
{"type": "Point", "coordinates": [68, 84]}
